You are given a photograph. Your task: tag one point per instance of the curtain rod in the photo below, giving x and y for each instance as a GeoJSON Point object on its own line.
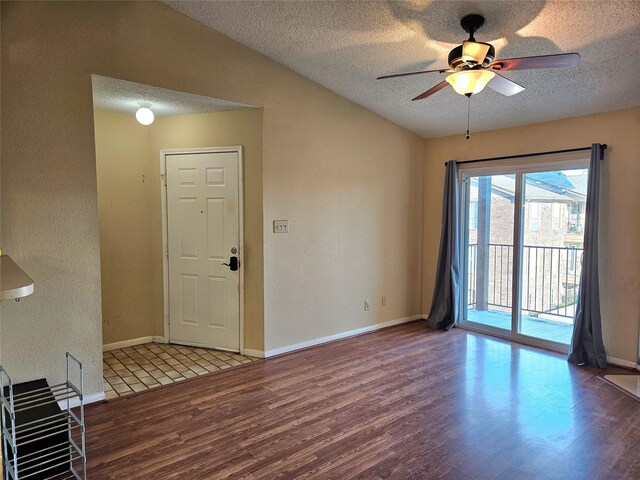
{"type": "Point", "coordinates": [603, 147]}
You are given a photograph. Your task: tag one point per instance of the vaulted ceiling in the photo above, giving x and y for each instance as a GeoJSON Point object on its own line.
{"type": "Point", "coordinates": [345, 45]}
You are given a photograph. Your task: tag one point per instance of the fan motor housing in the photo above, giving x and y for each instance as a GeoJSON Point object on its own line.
{"type": "Point", "coordinates": [455, 56]}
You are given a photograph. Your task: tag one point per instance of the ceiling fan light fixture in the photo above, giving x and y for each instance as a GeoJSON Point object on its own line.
{"type": "Point", "coordinates": [470, 82]}
{"type": "Point", "coordinates": [474, 52]}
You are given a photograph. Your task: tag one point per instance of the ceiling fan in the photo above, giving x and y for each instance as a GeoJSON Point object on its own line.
{"type": "Point", "coordinates": [473, 65]}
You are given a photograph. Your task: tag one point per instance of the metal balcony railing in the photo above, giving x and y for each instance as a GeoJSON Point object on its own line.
{"type": "Point", "coordinates": [550, 278]}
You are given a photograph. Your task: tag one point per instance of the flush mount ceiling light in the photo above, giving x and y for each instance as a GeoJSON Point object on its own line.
{"type": "Point", "coordinates": [470, 82]}
{"type": "Point", "coordinates": [144, 115]}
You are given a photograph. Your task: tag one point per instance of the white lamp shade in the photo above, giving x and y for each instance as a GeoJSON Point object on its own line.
{"type": "Point", "coordinates": [145, 116]}
{"type": "Point", "coordinates": [470, 81]}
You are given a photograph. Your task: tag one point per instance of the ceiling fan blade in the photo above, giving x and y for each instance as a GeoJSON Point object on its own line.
{"type": "Point", "coordinates": [504, 86]}
{"type": "Point", "coordinates": [541, 61]}
{"type": "Point", "coordinates": [395, 75]}
{"type": "Point", "coordinates": [474, 52]}
{"type": "Point", "coordinates": [431, 91]}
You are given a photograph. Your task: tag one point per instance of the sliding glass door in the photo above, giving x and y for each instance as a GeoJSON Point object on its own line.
{"type": "Point", "coordinates": [489, 246]}
{"type": "Point", "coordinates": [522, 248]}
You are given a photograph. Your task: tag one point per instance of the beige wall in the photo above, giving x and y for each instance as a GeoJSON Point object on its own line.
{"type": "Point", "coordinates": [129, 204]}
{"type": "Point", "coordinates": [355, 227]}
{"type": "Point", "coordinates": [125, 194]}
{"type": "Point", "coordinates": [348, 181]}
{"type": "Point", "coordinates": [620, 205]}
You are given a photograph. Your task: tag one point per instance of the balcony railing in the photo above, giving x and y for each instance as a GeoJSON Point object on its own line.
{"type": "Point", "coordinates": [550, 278]}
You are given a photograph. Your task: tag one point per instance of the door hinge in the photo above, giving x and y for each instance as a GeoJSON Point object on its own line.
{"type": "Point", "coordinates": [163, 176]}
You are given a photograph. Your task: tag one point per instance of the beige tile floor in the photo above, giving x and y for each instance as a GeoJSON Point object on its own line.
{"type": "Point", "coordinates": [141, 367]}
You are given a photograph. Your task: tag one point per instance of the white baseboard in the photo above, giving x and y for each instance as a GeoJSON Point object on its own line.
{"type": "Point", "coordinates": [622, 363]}
{"type": "Point", "coordinates": [75, 402]}
{"type": "Point", "coordinates": [338, 336]}
{"type": "Point", "coordinates": [253, 353]}
{"type": "Point", "coordinates": [130, 343]}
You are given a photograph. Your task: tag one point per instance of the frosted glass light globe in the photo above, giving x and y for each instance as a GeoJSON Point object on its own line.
{"type": "Point", "coordinates": [470, 81]}
{"type": "Point", "coordinates": [145, 116]}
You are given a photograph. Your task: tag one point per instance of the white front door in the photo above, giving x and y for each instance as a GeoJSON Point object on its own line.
{"type": "Point", "coordinates": [203, 241]}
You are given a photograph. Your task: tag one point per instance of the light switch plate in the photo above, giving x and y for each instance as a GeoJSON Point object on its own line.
{"type": "Point", "coordinates": [280, 226]}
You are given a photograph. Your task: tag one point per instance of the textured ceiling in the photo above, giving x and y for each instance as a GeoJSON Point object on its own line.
{"type": "Point", "coordinates": [345, 45]}
{"type": "Point", "coordinates": [123, 96]}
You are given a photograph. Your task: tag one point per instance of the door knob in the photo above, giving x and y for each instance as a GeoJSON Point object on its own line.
{"type": "Point", "coordinates": [233, 264]}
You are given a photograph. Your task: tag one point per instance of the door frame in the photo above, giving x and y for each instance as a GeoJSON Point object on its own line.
{"type": "Point", "coordinates": [165, 228]}
{"type": "Point", "coordinates": [518, 167]}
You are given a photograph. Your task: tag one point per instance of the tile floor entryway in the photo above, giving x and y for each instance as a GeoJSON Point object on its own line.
{"type": "Point", "coordinates": [141, 367]}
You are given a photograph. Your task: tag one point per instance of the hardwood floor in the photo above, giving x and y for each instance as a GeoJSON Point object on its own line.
{"type": "Point", "coordinates": [406, 402]}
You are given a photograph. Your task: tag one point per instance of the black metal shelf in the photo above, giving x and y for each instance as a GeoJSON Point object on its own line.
{"type": "Point", "coordinates": [43, 438]}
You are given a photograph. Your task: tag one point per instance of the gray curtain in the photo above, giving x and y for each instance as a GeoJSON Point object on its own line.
{"type": "Point", "coordinates": [586, 343]}
{"type": "Point", "coordinates": [445, 306]}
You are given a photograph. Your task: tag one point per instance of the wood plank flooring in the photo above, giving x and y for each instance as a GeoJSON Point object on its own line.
{"type": "Point", "coordinates": [403, 403]}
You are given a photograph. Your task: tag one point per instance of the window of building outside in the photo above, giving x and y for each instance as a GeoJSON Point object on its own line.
{"type": "Point", "coordinates": [534, 216]}
{"type": "Point", "coordinates": [555, 216]}
{"type": "Point", "coordinates": [575, 218]}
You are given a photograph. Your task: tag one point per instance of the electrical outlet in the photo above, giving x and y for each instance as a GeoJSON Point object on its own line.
{"type": "Point", "coordinates": [384, 301]}
{"type": "Point", "coordinates": [366, 305]}
{"type": "Point", "coordinates": [280, 226]}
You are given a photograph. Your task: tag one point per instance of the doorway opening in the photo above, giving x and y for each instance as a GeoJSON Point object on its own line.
{"type": "Point", "coordinates": [523, 229]}
{"type": "Point", "coordinates": [138, 312]}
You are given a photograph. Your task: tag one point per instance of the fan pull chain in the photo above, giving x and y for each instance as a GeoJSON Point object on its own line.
{"type": "Point", "coordinates": [468, 115]}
